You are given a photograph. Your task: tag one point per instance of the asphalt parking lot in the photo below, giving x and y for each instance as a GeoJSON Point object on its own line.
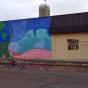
{"type": "Point", "coordinates": [42, 78]}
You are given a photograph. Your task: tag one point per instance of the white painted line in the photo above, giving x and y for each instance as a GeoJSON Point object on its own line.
{"type": "Point", "coordinates": [73, 70]}
{"type": "Point", "coordinates": [41, 68]}
{"type": "Point", "coordinates": [51, 69]}
{"type": "Point", "coordinates": [63, 83]}
{"type": "Point", "coordinates": [58, 69]}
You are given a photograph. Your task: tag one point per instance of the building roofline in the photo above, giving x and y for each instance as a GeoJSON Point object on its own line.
{"type": "Point", "coordinates": [44, 17]}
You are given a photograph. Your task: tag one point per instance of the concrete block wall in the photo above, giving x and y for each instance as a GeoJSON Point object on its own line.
{"type": "Point", "coordinates": [60, 49]}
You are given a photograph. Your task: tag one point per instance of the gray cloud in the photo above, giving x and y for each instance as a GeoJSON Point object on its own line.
{"type": "Point", "coordinates": [20, 9]}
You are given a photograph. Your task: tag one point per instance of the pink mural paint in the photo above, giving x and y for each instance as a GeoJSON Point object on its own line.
{"type": "Point", "coordinates": [35, 54]}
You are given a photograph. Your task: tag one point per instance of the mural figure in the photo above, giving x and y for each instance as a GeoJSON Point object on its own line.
{"type": "Point", "coordinates": [5, 38]}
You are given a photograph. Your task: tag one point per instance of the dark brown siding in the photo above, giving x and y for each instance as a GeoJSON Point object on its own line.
{"type": "Point", "coordinates": [71, 23]}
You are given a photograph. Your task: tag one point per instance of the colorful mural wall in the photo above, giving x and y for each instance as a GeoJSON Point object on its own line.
{"type": "Point", "coordinates": [25, 38]}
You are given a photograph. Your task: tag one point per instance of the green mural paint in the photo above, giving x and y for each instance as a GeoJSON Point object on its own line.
{"type": "Point", "coordinates": [2, 25]}
{"type": "Point", "coordinates": [4, 48]}
{"type": "Point", "coordinates": [4, 45]}
{"type": "Point", "coordinates": [4, 35]}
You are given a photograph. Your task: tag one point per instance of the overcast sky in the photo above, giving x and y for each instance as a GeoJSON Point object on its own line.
{"type": "Point", "coordinates": [21, 9]}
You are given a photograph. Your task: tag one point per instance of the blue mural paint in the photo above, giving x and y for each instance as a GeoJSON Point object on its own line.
{"type": "Point", "coordinates": [24, 26]}
{"type": "Point", "coordinates": [28, 35]}
{"type": "Point", "coordinates": [40, 44]}
{"type": "Point", "coordinates": [6, 32]}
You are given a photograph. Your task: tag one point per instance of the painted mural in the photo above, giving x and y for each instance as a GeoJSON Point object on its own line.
{"type": "Point", "coordinates": [28, 38]}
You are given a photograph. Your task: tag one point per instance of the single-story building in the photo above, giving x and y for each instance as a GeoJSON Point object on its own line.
{"type": "Point", "coordinates": [61, 37]}
{"type": "Point", "coordinates": [70, 37]}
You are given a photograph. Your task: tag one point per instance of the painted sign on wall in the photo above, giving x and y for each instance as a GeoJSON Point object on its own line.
{"type": "Point", "coordinates": [73, 44]}
{"type": "Point", "coordinates": [84, 43]}
{"type": "Point", "coordinates": [25, 38]}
